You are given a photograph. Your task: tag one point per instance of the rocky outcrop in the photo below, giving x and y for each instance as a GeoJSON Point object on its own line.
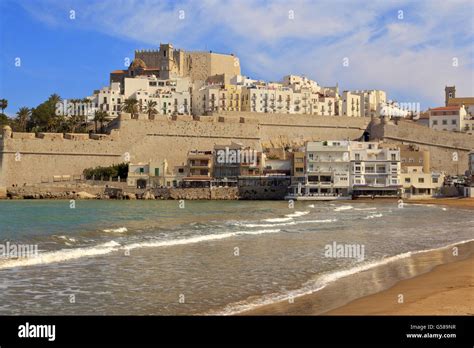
{"type": "Point", "coordinates": [85, 195]}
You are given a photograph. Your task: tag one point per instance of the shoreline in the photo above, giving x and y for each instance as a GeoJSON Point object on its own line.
{"type": "Point", "coordinates": [448, 289]}
{"type": "Point", "coordinates": [432, 282]}
{"type": "Point", "coordinates": [112, 193]}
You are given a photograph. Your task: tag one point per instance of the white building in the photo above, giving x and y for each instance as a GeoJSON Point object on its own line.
{"type": "Point", "coordinates": [298, 83]}
{"type": "Point", "coordinates": [450, 118]}
{"type": "Point", "coordinates": [172, 96]}
{"type": "Point", "coordinates": [351, 104]}
{"type": "Point", "coordinates": [327, 169]}
{"type": "Point", "coordinates": [374, 170]}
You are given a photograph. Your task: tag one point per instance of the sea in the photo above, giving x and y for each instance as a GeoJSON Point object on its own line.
{"type": "Point", "coordinates": [163, 257]}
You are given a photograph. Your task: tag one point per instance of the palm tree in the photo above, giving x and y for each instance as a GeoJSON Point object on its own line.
{"type": "Point", "coordinates": [55, 98]}
{"type": "Point", "coordinates": [23, 115]}
{"type": "Point", "coordinates": [3, 104]}
{"type": "Point", "coordinates": [130, 105]}
{"type": "Point", "coordinates": [151, 109]}
{"type": "Point", "coordinates": [73, 122]}
{"type": "Point", "coordinates": [100, 117]}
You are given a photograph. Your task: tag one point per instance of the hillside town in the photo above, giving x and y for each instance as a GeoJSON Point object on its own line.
{"type": "Point", "coordinates": [309, 141]}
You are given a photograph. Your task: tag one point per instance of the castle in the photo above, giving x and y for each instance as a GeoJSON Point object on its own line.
{"type": "Point", "coordinates": [251, 115]}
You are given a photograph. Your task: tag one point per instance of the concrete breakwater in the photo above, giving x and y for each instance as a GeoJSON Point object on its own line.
{"type": "Point", "coordinates": [94, 192]}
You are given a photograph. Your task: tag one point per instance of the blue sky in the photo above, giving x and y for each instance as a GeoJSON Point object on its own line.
{"type": "Point", "coordinates": [410, 54]}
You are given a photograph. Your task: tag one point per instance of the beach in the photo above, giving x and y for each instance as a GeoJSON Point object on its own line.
{"type": "Point", "coordinates": [446, 289]}
{"type": "Point", "coordinates": [151, 257]}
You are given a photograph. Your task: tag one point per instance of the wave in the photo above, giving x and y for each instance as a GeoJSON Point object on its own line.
{"type": "Point", "coordinates": [373, 216]}
{"type": "Point", "coordinates": [112, 246]}
{"type": "Point", "coordinates": [344, 207]}
{"type": "Point", "coordinates": [365, 208]}
{"type": "Point", "coordinates": [196, 239]}
{"type": "Point", "coordinates": [61, 255]}
{"type": "Point", "coordinates": [116, 230]}
{"type": "Point", "coordinates": [311, 206]}
{"type": "Point", "coordinates": [66, 238]}
{"type": "Point", "coordinates": [319, 283]}
{"type": "Point", "coordinates": [288, 223]}
{"type": "Point", "coordinates": [279, 219]}
{"type": "Point", "coordinates": [297, 214]}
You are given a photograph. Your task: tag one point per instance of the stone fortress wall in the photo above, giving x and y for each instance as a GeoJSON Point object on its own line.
{"type": "Point", "coordinates": [444, 146]}
{"type": "Point", "coordinates": [26, 158]}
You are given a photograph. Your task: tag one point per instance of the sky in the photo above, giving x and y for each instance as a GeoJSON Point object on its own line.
{"type": "Point", "coordinates": [410, 49]}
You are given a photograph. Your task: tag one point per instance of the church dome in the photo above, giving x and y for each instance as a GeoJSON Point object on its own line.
{"type": "Point", "coordinates": [138, 63]}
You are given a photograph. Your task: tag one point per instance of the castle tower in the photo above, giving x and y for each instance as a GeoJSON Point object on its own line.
{"type": "Point", "coordinates": [450, 92]}
{"type": "Point", "coordinates": [168, 64]}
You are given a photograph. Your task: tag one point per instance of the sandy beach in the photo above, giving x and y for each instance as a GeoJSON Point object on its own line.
{"type": "Point", "coordinates": [432, 283]}
{"type": "Point", "coordinates": [447, 290]}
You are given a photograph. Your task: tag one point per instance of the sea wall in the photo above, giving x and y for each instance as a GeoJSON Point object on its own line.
{"type": "Point", "coordinates": [28, 158]}
{"type": "Point", "coordinates": [448, 150]}
{"type": "Point", "coordinates": [280, 130]}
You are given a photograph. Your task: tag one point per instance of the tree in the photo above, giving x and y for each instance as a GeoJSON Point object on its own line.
{"type": "Point", "coordinates": [4, 120]}
{"type": "Point", "coordinates": [151, 109]}
{"type": "Point", "coordinates": [115, 170]}
{"type": "Point", "coordinates": [100, 116]}
{"type": "Point", "coordinates": [45, 117]}
{"type": "Point", "coordinates": [130, 105]}
{"type": "Point", "coordinates": [3, 105]}
{"type": "Point", "coordinates": [23, 116]}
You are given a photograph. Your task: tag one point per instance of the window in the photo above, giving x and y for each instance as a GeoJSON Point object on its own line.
{"type": "Point", "coordinates": [435, 180]}
{"type": "Point", "coordinates": [453, 122]}
{"type": "Point", "coordinates": [181, 170]}
{"type": "Point", "coordinates": [421, 180]}
{"type": "Point", "coordinates": [311, 156]}
{"type": "Point", "coordinates": [407, 180]}
{"type": "Point", "coordinates": [142, 170]}
{"type": "Point", "coordinates": [157, 171]}
{"type": "Point", "coordinates": [435, 122]}
{"type": "Point", "coordinates": [445, 122]}
{"type": "Point", "coordinates": [394, 157]}
{"type": "Point", "coordinates": [357, 157]}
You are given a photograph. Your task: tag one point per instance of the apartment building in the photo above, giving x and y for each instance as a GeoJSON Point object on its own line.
{"type": "Point", "coordinates": [217, 98]}
{"type": "Point", "coordinates": [351, 104]}
{"type": "Point", "coordinates": [233, 160]}
{"type": "Point", "coordinates": [172, 96]}
{"type": "Point", "coordinates": [450, 118]}
{"type": "Point", "coordinates": [418, 183]}
{"type": "Point", "coordinates": [327, 168]}
{"type": "Point", "coordinates": [374, 169]}
{"type": "Point", "coordinates": [326, 174]}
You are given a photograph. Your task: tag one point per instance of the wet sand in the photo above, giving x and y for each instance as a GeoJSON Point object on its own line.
{"type": "Point", "coordinates": [446, 290]}
{"type": "Point", "coordinates": [432, 283]}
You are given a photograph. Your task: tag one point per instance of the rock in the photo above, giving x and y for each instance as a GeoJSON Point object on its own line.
{"type": "Point", "coordinates": [148, 195]}
{"type": "Point", "coordinates": [127, 195]}
{"type": "Point", "coordinates": [85, 195]}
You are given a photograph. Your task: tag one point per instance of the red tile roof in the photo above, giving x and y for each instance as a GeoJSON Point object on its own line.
{"type": "Point", "coordinates": [119, 71]}
{"type": "Point", "coordinates": [446, 108]}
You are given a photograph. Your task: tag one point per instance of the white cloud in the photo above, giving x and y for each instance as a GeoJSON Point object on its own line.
{"type": "Point", "coordinates": [410, 58]}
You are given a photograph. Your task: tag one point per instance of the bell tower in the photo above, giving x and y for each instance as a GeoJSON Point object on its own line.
{"type": "Point", "coordinates": [450, 92]}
